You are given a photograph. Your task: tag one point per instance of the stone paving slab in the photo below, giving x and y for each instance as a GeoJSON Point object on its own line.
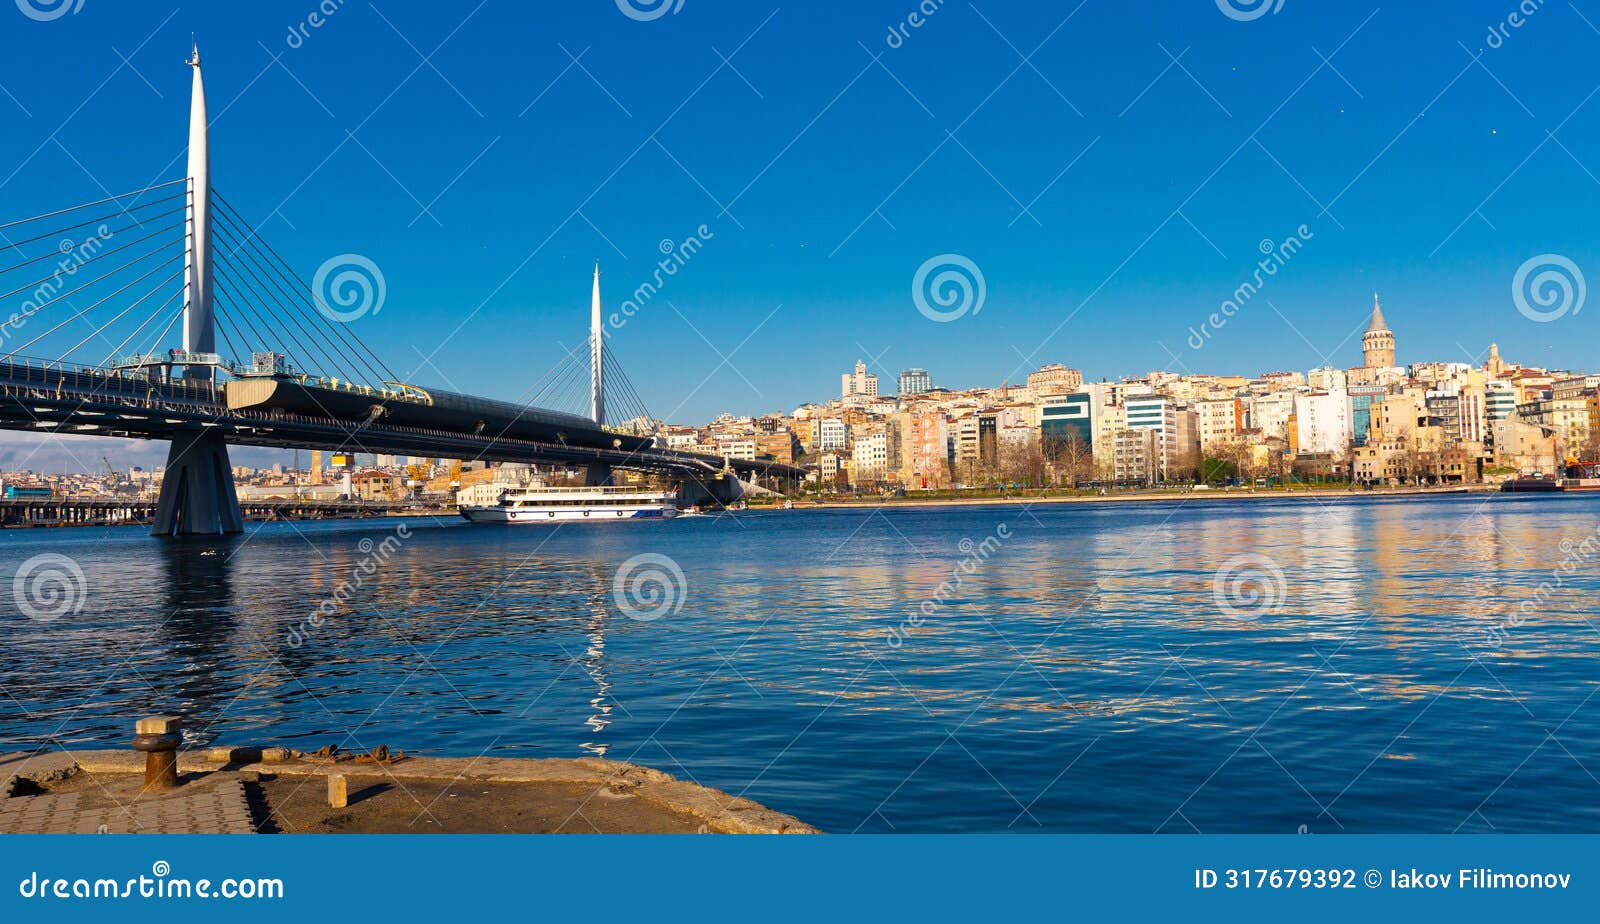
{"type": "Point", "coordinates": [220, 808]}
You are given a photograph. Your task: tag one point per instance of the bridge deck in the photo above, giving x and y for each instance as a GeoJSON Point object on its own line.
{"type": "Point", "coordinates": [62, 398]}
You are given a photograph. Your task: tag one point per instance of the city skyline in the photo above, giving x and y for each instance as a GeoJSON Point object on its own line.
{"type": "Point", "coordinates": [1098, 241]}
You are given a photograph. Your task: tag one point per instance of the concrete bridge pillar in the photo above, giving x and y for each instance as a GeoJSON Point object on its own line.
{"type": "Point", "coordinates": [598, 475]}
{"type": "Point", "coordinates": [711, 491]}
{"type": "Point", "coordinates": [197, 495]}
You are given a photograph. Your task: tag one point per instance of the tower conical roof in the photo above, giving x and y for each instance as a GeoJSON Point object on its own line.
{"type": "Point", "coordinates": [1377, 322]}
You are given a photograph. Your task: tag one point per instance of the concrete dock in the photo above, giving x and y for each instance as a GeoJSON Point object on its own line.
{"type": "Point", "coordinates": [279, 790]}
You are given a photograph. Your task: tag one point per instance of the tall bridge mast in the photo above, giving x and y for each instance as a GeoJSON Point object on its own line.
{"type": "Point", "coordinates": [197, 493]}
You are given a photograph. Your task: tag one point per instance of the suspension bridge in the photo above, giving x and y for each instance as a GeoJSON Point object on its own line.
{"type": "Point", "coordinates": [165, 315]}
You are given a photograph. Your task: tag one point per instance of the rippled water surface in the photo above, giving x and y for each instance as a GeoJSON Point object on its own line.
{"type": "Point", "coordinates": [1421, 664]}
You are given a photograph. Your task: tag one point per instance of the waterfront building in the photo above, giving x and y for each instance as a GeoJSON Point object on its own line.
{"type": "Point", "coordinates": [924, 450]}
{"type": "Point", "coordinates": [1219, 421]}
{"type": "Point", "coordinates": [914, 382]}
{"type": "Point", "coordinates": [1065, 418]}
{"type": "Point", "coordinates": [1322, 422]}
{"type": "Point", "coordinates": [1136, 456]}
{"type": "Point", "coordinates": [869, 459]}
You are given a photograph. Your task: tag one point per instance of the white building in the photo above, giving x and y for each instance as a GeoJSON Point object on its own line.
{"type": "Point", "coordinates": [832, 434]}
{"type": "Point", "coordinates": [1322, 422]}
{"type": "Point", "coordinates": [869, 461]}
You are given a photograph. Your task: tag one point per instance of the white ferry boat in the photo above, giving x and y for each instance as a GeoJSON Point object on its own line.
{"type": "Point", "coordinates": [566, 505]}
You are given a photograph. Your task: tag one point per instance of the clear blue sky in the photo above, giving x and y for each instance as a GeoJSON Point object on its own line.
{"type": "Point", "coordinates": [840, 178]}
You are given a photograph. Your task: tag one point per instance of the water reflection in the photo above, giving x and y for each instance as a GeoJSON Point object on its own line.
{"type": "Point", "coordinates": [846, 667]}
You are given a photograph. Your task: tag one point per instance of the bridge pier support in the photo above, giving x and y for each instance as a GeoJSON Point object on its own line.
{"type": "Point", "coordinates": [715, 491]}
{"type": "Point", "coordinates": [597, 475]}
{"type": "Point", "coordinates": [197, 496]}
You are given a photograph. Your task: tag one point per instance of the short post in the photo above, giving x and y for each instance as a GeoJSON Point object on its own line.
{"type": "Point", "coordinates": [338, 791]}
{"type": "Point", "coordinates": [158, 737]}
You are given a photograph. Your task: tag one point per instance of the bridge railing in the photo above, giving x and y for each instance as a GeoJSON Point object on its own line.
{"type": "Point", "coordinates": [54, 372]}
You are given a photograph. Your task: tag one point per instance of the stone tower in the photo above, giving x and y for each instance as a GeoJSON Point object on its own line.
{"type": "Point", "coordinates": [1377, 344]}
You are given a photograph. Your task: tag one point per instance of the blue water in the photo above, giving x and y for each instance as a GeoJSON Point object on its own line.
{"type": "Point", "coordinates": [1089, 671]}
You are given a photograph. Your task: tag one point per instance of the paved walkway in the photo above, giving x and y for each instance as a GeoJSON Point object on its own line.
{"type": "Point", "coordinates": [114, 805]}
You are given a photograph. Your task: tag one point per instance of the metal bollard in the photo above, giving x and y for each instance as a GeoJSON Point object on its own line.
{"type": "Point", "coordinates": [159, 737]}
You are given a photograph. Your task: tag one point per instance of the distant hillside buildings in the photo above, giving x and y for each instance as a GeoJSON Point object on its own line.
{"type": "Point", "coordinates": [1436, 422]}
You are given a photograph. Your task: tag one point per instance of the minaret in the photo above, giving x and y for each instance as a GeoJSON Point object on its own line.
{"type": "Point", "coordinates": [1377, 344]}
{"type": "Point", "coordinates": [597, 382]}
{"type": "Point", "coordinates": [199, 326]}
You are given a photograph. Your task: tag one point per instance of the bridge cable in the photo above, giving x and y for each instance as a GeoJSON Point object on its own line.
{"type": "Point", "coordinates": [326, 364]}
{"type": "Point", "coordinates": [17, 245]}
{"type": "Point", "coordinates": [136, 331]}
{"type": "Point", "coordinates": [84, 311]}
{"type": "Point", "coordinates": [289, 275]}
{"type": "Point", "coordinates": [38, 283]}
{"type": "Point", "coordinates": [84, 205]}
{"type": "Point", "coordinates": [141, 300]}
{"type": "Point", "coordinates": [329, 350]}
{"type": "Point", "coordinates": [58, 296]}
